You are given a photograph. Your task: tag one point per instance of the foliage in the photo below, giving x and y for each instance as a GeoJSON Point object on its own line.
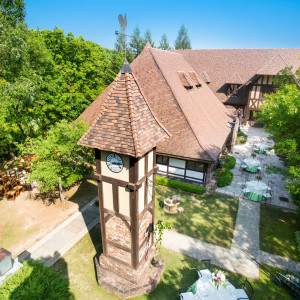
{"type": "Point", "coordinates": [286, 77]}
{"type": "Point", "coordinates": [59, 160]}
{"type": "Point", "coordinates": [180, 185]}
{"type": "Point", "coordinates": [47, 76]}
{"type": "Point", "coordinates": [148, 38]}
{"type": "Point", "coordinates": [164, 43]}
{"type": "Point", "coordinates": [281, 117]}
{"type": "Point", "coordinates": [224, 176]}
{"type": "Point", "coordinates": [120, 45]}
{"type": "Point", "coordinates": [228, 162]}
{"type": "Point", "coordinates": [13, 11]}
{"type": "Point", "coordinates": [35, 281]}
{"type": "Point", "coordinates": [159, 229]}
{"type": "Point", "coordinates": [297, 234]}
{"type": "Point", "coordinates": [182, 41]}
{"type": "Point", "coordinates": [137, 42]}
{"type": "Point", "coordinates": [241, 137]}
{"type": "Point", "coordinates": [272, 169]}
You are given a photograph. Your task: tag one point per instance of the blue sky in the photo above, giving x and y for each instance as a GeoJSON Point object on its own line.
{"type": "Point", "coordinates": [211, 24]}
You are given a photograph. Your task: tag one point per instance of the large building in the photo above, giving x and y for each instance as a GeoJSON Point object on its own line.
{"type": "Point", "coordinates": [241, 77]}
{"type": "Point", "coordinates": [187, 90]}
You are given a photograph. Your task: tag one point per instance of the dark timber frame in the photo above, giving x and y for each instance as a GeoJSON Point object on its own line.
{"type": "Point", "coordinates": [132, 222]}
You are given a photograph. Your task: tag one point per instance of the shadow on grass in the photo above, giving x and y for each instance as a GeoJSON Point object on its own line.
{"type": "Point", "coordinates": [37, 281]}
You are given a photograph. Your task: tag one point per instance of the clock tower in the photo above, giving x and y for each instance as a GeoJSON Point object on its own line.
{"type": "Point", "coordinates": [124, 134]}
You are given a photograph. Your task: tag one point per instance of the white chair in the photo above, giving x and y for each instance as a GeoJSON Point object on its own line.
{"type": "Point", "coordinates": [204, 272]}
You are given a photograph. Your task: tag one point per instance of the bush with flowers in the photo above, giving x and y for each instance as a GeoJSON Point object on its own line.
{"type": "Point", "coordinates": [218, 279]}
{"type": "Point", "coordinates": [253, 154]}
{"type": "Point", "coordinates": [258, 177]}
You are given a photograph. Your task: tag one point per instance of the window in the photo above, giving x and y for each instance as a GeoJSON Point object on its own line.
{"type": "Point", "coordinates": [163, 160]}
{"type": "Point", "coordinates": [195, 166]}
{"type": "Point", "coordinates": [232, 89]}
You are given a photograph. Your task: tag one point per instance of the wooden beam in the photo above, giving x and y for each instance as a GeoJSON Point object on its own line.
{"type": "Point", "coordinates": [116, 197]}
{"type": "Point", "coordinates": [116, 245]}
{"type": "Point", "coordinates": [119, 215]}
{"type": "Point", "coordinates": [146, 181]}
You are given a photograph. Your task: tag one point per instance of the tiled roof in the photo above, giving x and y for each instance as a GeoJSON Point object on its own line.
{"type": "Point", "coordinates": [121, 119]}
{"type": "Point", "coordinates": [220, 64]}
{"type": "Point", "coordinates": [195, 118]}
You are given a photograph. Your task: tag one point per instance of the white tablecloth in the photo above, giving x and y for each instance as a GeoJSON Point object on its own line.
{"type": "Point", "coordinates": [261, 146]}
{"type": "Point", "coordinates": [256, 187]}
{"type": "Point", "coordinates": [251, 162]}
{"type": "Point", "coordinates": [211, 293]}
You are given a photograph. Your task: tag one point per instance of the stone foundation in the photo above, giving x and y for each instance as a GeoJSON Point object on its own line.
{"type": "Point", "coordinates": [112, 280]}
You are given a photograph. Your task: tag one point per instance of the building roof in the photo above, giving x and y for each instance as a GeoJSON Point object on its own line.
{"type": "Point", "coordinates": [121, 119]}
{"type": "Point", "coordinates": [221, 65]}
{"type": "Point", "coordinates": [195, 118]}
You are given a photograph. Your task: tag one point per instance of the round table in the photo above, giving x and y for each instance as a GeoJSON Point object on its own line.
{"type": "Point", "coordinates": [256, 190]}
{"type": "Point", "coordinates": [251, 164]}
{"type": "Point", "coordinates": [260, 148]}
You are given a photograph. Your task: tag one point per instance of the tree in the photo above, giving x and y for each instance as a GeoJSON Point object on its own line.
{"type": "Point", "coordinates": [164, 43]}
{"type": "Point", "coordinates": [148, 38]}
{"type": "Point", "coordinates": [182, 41]}
{"type": "Point", "coordinates": [285, 77]}
{"type": "Point", "coordinates": [59, 160]}
{"type": "Point", "coordinates": [280, 115]}
{"type": "Point", "coordinates": [13, 10]}
{"type": "Point", "coordinates": [120, 41]}
{"type": "Point", "coordinates": [137, 42]}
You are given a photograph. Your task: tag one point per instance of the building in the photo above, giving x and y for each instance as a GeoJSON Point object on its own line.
{"type": "Point", "coordinates": [241, 77]}
{"type": "Point", "coordinates": [200, 126]}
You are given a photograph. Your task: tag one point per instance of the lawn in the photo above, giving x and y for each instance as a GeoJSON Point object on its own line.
{"type": "Point", "coordinates": [277, 232]}
{"type": "Point", "coordinates": [210, 219]}
{"type": "Point", "coordinates": [77, 265]}
{"type": "Point", "coordinates": [33, 215]}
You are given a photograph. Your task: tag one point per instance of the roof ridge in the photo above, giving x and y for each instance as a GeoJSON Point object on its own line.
{"type": "Point", "coordinates": [131, 115]}
{"type": "Point", "coordinates": [179, 103]}
{"type": "Point", "coordinates": [275, 54]}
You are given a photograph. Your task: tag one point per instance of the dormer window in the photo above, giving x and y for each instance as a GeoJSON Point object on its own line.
{"type": "Point", "coordinates": [232, 89]}
{"type": "Point", "coordinates": [196, 79]}
{"type": "Point", "coordinates": [186, 80]}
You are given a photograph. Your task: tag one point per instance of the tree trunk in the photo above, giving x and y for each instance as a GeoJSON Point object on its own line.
{"type": "Point", "coordinates": [61, 195]}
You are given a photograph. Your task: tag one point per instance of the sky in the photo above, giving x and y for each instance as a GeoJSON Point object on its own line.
{"type": "Point", "coordinates": [211, 24]}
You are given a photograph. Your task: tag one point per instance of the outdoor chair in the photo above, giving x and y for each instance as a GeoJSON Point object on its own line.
{"type": "Point", "coordinates": [17, 187]}
{"type": "Point", "coordinates": [245, 292]}
{"type": "Point", "coordinates": [204, 272]}
{"type": "Point", "coordinates": [1, 190]}
{"type": "Point", "coordinates": [9, 193]}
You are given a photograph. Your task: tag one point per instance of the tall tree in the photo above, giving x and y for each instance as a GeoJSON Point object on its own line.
{"type": "Point", "coordinates": [120, 41]}
{"type": "Point", "coordinates": [182, 41]}
{"type": "Point", "coordinates": [164, 43]}
{"type": "Point", "coordinates": [13, 10]}
{"type": "Point", "coordinates": [59, 160]}
{"type": "Point", "coordinates": [148, 38]}
{"type": "Point", "coordinates": [136, 42]}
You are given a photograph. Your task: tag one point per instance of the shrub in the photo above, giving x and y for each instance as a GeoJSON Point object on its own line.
{"type": "Point", "coordinates": [241, 137]}
{"type": "Point", "coordinates": [229, 162]}
{"type": "Point", "coordinates": [298, 239]}
{"type": "Point", "coordinates": [224, 177]}
{"type": "Point", "coordinates": [35, 281]}
{"type": "Point", "coordinates": [181, 185]}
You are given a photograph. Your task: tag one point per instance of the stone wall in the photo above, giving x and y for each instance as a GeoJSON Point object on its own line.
{"type": "Point", "coordinates": [232, 136]}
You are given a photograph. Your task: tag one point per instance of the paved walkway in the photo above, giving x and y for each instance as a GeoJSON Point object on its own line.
{"type": "Point", "coordinates": [62, 238]}
{"type": "Point", "coordinates": [275, 181]}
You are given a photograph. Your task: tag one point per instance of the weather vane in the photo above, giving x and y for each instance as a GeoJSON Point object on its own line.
{"type": "Point", "coordinates": [123, 23]}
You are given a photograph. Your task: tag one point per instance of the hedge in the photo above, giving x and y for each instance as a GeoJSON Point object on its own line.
{"type": "Point", "coordinates": [229, 162]}
{"type": "Point", "coordinates": [35, 281]}
{"type": "Point", "coordinates": [181, 185]}
{"type": "Point", "coordinates": [224, 177]}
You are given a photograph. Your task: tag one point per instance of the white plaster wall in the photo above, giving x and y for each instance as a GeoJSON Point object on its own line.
{"type": "Point", "coordinates": [141, 197]}
{"type": "Point", "coordinates": [150, 160]}
{"type": "Point", "coordinates": [108, 196]}
{"type": "Point", "coordinates": [123, 175]}
{"type": "Point", "coordinates": [252, 92]}
{"type": "Point", "coordinates": [257, 92]}
{"type": "Point", "coordinates": [259, 80]}
{"type": "Point", "coordinates": [265, 79]}
{"type": "Point", "coordinates": [124, 200]}
{"type": "Point", "coordinates": [270, 80]}
{"type": "Point", "coordinates": [150, 186]}
{"type": "Point", "coordinates": [141, 163]}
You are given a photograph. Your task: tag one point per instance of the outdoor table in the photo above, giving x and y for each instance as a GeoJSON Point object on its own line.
{"type": "Point", "coordinates": [256, 190]}
{"type": "Point", "coordinates": [252, 164]}
{"type": "Point", "coordinates": [261, 148]}
{"type": "Point", "coordinates": [206, 290]}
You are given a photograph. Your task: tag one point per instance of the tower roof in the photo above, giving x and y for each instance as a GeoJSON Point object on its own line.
{"type": "Point", "coordinates": [125, 123]}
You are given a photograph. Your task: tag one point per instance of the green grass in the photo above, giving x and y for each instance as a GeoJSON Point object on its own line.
{"type": "Point", "coordinates": [77, 264]}
{"type": "Point", "coordinates": [210, 219]}
{"type": "Point", "coordinates": [277, 232]}
{"type": "Point", "coordinates": [35, 281]}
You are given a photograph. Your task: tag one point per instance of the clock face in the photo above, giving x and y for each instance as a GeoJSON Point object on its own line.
{"type": "Point", "coordinates": [114, 162]}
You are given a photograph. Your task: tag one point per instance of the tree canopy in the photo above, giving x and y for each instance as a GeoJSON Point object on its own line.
{"type": "Point", "coordinates": [164, 43]}
{"type": "Point", "coordinates": [182, 41]}
{"type": "Point", "coordinates": [148, 38]}
{"type": "Point", "coordinates": [137, 42]}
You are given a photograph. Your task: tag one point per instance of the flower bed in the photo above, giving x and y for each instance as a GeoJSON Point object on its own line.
{"type": "Point", "coordinates": [241, 137]}
{"type": "Point", "coordinates": [224, 177]}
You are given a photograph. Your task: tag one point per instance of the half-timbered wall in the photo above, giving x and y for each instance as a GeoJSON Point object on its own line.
{"type": "Point", "coordinates": [262, 85]}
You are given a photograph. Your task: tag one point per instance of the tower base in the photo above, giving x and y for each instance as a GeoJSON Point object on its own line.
{"type": "Point", "coordinates": [122, 288]}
